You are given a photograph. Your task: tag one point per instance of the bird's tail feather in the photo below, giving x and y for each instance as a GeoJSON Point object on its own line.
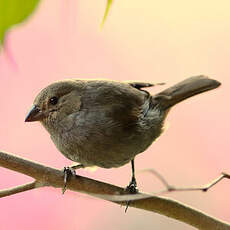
{"type": "Point", "coordinates": [183, 90]}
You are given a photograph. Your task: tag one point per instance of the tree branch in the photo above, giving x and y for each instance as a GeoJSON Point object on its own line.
{"type": "Point", "coordinates": [47, 176]}
{"type": "Point", "coordinates": [20, 188]}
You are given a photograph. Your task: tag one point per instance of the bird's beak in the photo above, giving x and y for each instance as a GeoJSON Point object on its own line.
{"type": "Point", "coordinates": [35, 114]}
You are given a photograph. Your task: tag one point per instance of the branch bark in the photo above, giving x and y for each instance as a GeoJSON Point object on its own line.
{"type": "Point", "coordinates": [47, 176]}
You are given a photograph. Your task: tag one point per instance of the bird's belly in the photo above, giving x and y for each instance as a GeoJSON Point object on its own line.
{"type": "Point", "coordinates": [96, 157]}
{"type": "Point", "coordinates": [102, 154]}
{"type": "Point", "coordinates": [105, 149]}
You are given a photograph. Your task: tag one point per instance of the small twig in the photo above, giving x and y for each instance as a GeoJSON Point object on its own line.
{"type": "Point", "coordinates": [20, 188]}
{"type": "Point", "coordinates": [171, 188]}
{"type": "Point", "coordinates": [215, 181]}
{"type": "Point", "coordinates": [159, 176]}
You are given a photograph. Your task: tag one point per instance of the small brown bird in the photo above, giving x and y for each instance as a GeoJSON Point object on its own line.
{"type": "Point", "coordinates": [107, 123]}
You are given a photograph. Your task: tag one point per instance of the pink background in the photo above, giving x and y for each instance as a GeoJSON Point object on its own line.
{"type": "Point", "coordinates": [157, 41]}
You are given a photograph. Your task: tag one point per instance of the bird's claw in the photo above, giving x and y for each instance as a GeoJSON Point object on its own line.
{"type": "Point", "coordinates": [68, 172]}
{"type": "Point", "coordinates": [131, 189]}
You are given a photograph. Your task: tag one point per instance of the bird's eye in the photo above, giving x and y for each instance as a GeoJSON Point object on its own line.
{"type": "Point", "coordinates": [53, 100]}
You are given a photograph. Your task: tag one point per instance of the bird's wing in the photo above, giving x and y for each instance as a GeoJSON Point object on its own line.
{"type": "Point", "coordinates": [119, 102]}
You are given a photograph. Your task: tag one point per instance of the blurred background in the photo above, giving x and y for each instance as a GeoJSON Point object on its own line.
{"type": "Point", "coordinates": [152, 41]}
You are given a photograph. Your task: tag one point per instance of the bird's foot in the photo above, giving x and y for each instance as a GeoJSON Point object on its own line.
{"type": "Point", "coordinates": [68, 172]}
{"type": "Point", "coordinates": [131, 189]}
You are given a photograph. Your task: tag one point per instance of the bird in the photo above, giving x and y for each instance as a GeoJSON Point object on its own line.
{"type": "Point", "coordinates": [108, 123]}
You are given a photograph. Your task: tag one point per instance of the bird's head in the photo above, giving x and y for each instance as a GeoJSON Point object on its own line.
{"type": "Point", "coordinates": [55, 102]}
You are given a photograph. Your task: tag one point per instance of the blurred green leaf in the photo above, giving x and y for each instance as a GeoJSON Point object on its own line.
{"type": "Point", "coordinates": [108, 6]}
{"type": "Point", "coordinates": [13, 12]}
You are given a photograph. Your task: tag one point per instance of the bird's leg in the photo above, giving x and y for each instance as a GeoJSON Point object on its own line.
{"type": "Point", "coordinates": [132, 187]}
{"type": "Point", "coordinates": [68, 172]}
